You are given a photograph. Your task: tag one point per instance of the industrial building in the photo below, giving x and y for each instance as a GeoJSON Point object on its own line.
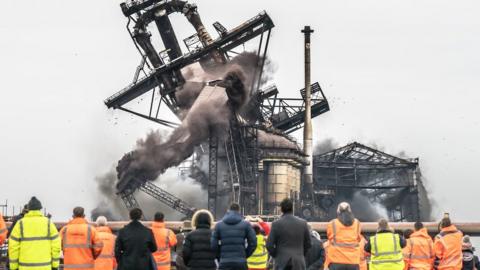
{"type": "Point", "coordinates": [254, 161]}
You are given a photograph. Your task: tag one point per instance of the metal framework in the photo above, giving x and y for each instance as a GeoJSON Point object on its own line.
{"type": "Point", "coordinates": [172, 201]}
{"type": "Point", "coordinates": [288, 114]}
{"type": "Point", "coordinates": [152, 79]}
{"type": "Point", "coordinates": [158, 77]}
{"type": "Point", "coordinates": [384, 179]}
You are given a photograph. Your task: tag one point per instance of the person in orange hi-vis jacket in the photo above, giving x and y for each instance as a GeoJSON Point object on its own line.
{"type": "Point", "coordinates": [3, 230]}
{"type": "Point", "coordinates": [344, 235]}
{"type": "Point", "coordinates": [448, 246]}
{"type": "Point", "coordinates": [165, 240]}
{"type": "Point", "coordinates": [80, 243]}
{"type": "Point", "coordinates": [326, 244]}
{"type": "Point", "coordinates": [106, 260]}
{"type": "Point", "coordinates": [363, 254]}
{"type": "Point", "coordinates": [419, 250]}
{"type": "Point", "coordinates": [405, 250]}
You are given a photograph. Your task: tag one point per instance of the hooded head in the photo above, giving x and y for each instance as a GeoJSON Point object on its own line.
{"type": "Point", "coordinates": [344, 214]}
{"type": "Point", "coordinates": [34, 204]}
{"type": "Point", "coordinates": [202, 218]}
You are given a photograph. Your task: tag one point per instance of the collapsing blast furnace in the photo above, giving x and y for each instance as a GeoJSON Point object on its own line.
{"type": "Point", "coordinates": [234, 130]}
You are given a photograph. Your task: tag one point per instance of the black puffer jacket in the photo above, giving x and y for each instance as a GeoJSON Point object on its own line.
{"type": "Point", "coordinates": [470, 260]}
{"type": "Point", "coordinates": [197, 252]}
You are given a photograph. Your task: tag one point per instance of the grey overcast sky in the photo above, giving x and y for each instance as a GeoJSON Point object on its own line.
{"type": "Point", "coordinates": [400, 74]}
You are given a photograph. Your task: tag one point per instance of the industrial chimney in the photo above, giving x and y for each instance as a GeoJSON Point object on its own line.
{"type": "Point", "coordinates": [307, 130]}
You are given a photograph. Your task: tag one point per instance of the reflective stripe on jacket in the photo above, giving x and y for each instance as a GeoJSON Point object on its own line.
{"type": "Point", "coordinates": [344, 242]}
{"type": "Point", "coordinates": [165, 239]}
{"type": "Point", "coordinates": [81, 245]}
{"type": "Point", "coordinates": [106, 260]}
{"type": "Point", "coordinates": [34, 243]}
{"type": "Point", "coordinates": [3, 230]}
{"type": "Point", "coordinates": [259, 258]}
{"type": "Point", "coordinates": [448, 248]}
{"type": "Point", "coordinates": [419, 251]}
{"type": "Point", "coordinates": [386, 252]}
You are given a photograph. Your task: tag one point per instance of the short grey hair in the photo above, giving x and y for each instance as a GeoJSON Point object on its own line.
{"type": "Point", "coordinates": [101, 221]}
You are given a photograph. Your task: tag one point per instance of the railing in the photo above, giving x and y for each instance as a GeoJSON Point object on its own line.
{"type": "Point", "coordinates": [470, 228]}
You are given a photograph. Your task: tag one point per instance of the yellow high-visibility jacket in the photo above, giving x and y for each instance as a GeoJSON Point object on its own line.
{"type": "Point", "coordinates": [259, 258]}
{"type": "Point", "coordinates": [386, 252]}
{"type": "Point", "coordinates": [34, 243]}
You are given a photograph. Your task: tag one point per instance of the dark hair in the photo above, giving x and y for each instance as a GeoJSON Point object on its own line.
{"type": "Point", "coordinates": [286, 205]}
{"type": "Point", "coordinates": [235, 207]}
{"type": "Point", "coordinates": [418, 225]}
{"type": "Point", "coordinates": [257, 229]}
{"type": "Point", "coordinates": [78, 212]}
{"type": "Point", "coordinates": [159, 216]}
{"type": "Point", "coordinates": [446, 222]}
{"type": "Point", "coordinates": [407, 233]}
{"type": "Point", "coordinates": [136, 214]}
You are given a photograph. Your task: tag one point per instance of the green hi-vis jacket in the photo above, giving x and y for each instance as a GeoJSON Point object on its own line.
{"type": "Point", "coordinates": [386, 252]}
{"type": "Point", "coordinates": [34, 243]}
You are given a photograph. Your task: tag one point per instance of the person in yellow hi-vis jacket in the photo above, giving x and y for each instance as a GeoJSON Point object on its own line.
{"type": "Point", "coordinates": [259, 258]}
{"type": "Point", "coordinates": [34, 242]}
{"type": "Point", "coordinates": [386, 248]}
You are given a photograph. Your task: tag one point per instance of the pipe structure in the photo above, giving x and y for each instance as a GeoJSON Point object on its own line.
{"type": "Point", "coordinates": [307, 129]}
{"type": "Point", "coordinates": [470, 228]}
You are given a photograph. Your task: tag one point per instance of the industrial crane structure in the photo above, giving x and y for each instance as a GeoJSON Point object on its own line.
{"type": "Point", "coordinates": [240, 154]}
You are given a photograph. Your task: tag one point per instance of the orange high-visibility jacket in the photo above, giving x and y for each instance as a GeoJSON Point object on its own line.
{"type": "Point", "coordinates": [165, 239]}
{"type": "Point", "coordinates": [3, 230]}
{"type": "Point", "coordinates": [419, 251]}
{"type": "Point", "coordinates": [448, 248]}
{"type": "Point", "coordinates": [363, 254]}
{"type": "Point", "coordinates": [106, 260]}
{"type": "Point", "coordinates": [80, 245]}
{"type": "Point", "coordinates": [344, 242]}
{"type": "Point", "coordinates": [326, 245]}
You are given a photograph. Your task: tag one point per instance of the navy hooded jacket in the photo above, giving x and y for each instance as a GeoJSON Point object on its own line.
{"type": "Point", "coordinates": [228, 239]}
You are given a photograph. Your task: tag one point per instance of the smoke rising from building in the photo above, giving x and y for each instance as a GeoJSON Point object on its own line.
{"type": "Point", "coordinates": [366, 203]}
{"type": "Point", "coordinates": [210, 115]}
{"type": "Point", "coordinates": [201, 116]}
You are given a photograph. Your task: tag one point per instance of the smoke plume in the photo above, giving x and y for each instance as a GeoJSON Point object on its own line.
{"type": "Point", "coordinates": [362, 204]}
{"type": "Point", "coordinates": [203, 110]}
{"type": "Point", "coordinates": [109, 204]}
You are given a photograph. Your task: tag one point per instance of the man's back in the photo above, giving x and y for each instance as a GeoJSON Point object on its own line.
{"type": "Point", "coordinates": [165, 239]}
{"type": "Point", "coordinates": [448, 248]}
{"type": "Point", "coordinates": [106, 260]}
{"type": "Point", "coordinates": [229, 239]}
{"type": "Point", "coordinates": [289, 240]}
{"type": "Point", "coordinates": [134, 246]}
{"type": "Point", "coordinates": [81, 244]}
{"type": "Point", "coordinates": [34, 240]}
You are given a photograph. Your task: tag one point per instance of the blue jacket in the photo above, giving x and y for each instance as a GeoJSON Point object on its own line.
{"type": "Point", "coordinates": [228, 239]}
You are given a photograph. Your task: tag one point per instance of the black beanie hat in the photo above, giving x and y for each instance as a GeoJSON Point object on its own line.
{"type": "Point", "coordinates": [34, 204]}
